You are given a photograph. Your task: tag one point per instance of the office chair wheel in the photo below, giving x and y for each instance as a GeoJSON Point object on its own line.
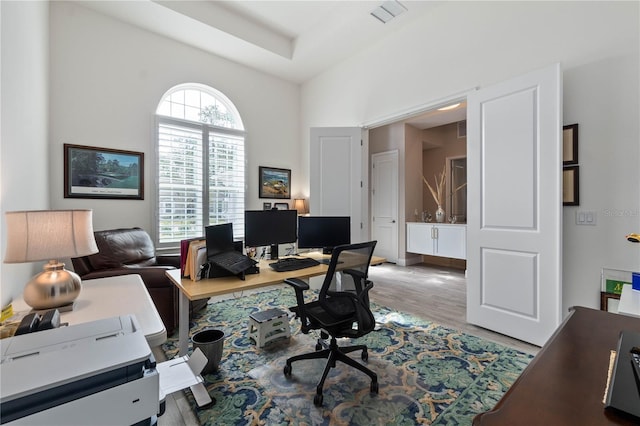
{"type": "Point", "coordinates": [365, 355]}
{"type": "Point", "coordinates": [287, 370]}
{"type": "Point", "coordinates": [317, 400]}
{"type": "Point", "coordinates": [374, 387]}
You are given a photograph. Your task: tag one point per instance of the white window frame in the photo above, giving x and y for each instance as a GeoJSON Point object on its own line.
{"type": "Point", "coordinates": [206, 131]}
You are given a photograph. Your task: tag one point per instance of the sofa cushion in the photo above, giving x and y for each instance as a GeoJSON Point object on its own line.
{"type": "Point", "coordinates": [120, 247]}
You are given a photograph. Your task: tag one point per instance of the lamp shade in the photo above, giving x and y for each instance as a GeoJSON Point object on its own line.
{"type": "Point", "coordinates": [300, 205]}
{"type": "Point", "coordinates": [49, 234]}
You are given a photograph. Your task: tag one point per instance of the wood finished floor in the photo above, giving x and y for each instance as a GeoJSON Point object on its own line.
{"type": "Point", "coordinates": [432, 292]}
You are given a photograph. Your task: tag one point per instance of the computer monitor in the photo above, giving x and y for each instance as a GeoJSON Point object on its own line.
{"type": "Point", "coordinates": [219, 238]}
{"type": "Point", "coordinates": [323, 232]}
{"type": "Point", "coordinates": [270, 228]}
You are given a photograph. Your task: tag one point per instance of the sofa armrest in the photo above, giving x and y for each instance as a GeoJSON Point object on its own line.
{"type": "Point", "coordinates": [153, 276]}
{"type": "Point", "coordinates": [169, 260]}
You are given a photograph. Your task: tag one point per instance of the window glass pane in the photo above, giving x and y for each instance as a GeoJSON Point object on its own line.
{"type": "Point", "coordinates": [177, 110]}
{"type": "Point", "coordinates": [178, 97]}
{"type": "Point", "coordinates": [192, 98]}
{"type": "Point", "coordinates": [164, 109]}
{"type": "Point", "coordinates": [191, 113]}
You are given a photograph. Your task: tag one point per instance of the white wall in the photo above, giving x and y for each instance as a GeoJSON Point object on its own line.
{"type": "Point", "coordinates": [24, 156]}
{"type": "Point", "coordinates": [107, 79]}
{"type": "Point", "coordinates": [462, 45]}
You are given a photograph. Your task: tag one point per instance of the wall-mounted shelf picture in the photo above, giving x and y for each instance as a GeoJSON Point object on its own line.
{"type": "Point", "coordinates": [570, 186]}
{"type": "Point", "coordinates": [570, 144]}
{"type": "Point", "coordinates": [274, 183]}
{"type": "Point", "coordinates": [91, 172]}
{"type": "Point", "coordinates": [281, 206]}
{"type": "Point", "coordinates": [609, 302]}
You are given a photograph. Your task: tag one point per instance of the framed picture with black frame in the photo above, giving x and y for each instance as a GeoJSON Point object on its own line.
{"type": "Point", "coordinates": [92, 172]}
{"type": "Point", "coordinates": [281, 206]}
{"type": "Point", "coordinates": [570, 144]}
{"type": "Point", "coordinates": [274, 183]}
{"type": "Point", "coordinates": [571, 186]}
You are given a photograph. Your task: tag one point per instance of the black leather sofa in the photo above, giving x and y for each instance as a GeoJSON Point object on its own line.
{"type": "Point", "coordinates": [131, 251]}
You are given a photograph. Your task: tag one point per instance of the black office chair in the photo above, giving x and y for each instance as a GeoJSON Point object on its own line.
{"type": "Point", "coordinates": [341, 310]}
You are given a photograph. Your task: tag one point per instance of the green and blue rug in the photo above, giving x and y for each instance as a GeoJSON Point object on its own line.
{"type": "Point", "coordinates": [428, 374]}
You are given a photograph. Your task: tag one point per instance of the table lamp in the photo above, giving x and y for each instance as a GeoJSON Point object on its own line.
{"type": "Point", "coordinates": [300, 205]}
{"type": "Point", "coordinates": [49, 235]}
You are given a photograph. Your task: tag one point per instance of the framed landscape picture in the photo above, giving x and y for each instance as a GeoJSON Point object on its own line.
{"type": "Point", "coordinates": [91, 172]}
{"type": "Point", "coordinates": [274, 183]}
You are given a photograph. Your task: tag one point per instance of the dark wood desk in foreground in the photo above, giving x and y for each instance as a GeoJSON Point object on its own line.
{"type": "Point", "coordinates": [565, 383]}
{"type": "Point", "coordinates": [195, 290]}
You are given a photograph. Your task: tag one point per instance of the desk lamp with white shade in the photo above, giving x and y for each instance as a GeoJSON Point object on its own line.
{"type": "Point", "coordinates": [49, 235]}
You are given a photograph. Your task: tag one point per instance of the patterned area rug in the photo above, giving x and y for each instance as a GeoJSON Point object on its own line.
{"type": "Point", "coordinates": [428, 374]}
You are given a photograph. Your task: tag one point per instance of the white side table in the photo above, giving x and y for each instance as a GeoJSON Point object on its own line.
{"type": "Point", "coordinates": [629, 301]}
{"type": "Point", "coordinates": [114, 296]}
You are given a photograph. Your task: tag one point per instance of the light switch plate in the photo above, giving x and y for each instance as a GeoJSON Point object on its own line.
{"type": "Point", "coordinates": [586, 217]}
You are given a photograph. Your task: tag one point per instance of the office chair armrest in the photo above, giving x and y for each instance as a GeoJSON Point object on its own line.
{"type": "Point", "coordinates": [297, 284]}
{"type": "Point", "coordinates": [300, 286]}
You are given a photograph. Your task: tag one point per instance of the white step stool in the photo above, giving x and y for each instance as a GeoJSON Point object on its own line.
{"type": "Point", "coordinates": [268, 325]}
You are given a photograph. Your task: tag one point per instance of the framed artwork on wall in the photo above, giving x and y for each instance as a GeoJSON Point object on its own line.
{"type": "Point", "coordinates": [570, 144]}
{"type": "Point", "coordinates": [91, 172]}
{"type": "Point", "coordinates": [609, 302]}
{"type": "Point", "coordinates": [281, 206]}
{"type": "Point", "coordinates": [274, 183]}
{"type": "Point", "coordinates": [570, 186]}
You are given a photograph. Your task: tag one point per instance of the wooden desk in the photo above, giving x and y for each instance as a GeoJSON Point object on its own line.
{"type": "Point", "coordinates": [565, 383]}
{"type": "Point", "coordinates": [195, 290]}
{"type": "Point", "coordinates": [111, 297]}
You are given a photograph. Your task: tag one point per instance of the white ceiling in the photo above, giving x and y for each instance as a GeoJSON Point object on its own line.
{"type": "Point", "coordinates": [294, 40]}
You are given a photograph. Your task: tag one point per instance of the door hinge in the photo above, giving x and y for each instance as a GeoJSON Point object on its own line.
{"type": "Point", "coordinates": [361, 184]}
{"type": "Point", "coordinates": [361, 225]}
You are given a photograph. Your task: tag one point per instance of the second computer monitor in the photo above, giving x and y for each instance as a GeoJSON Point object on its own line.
{"type": "Point", "coordinates": [270, 228]}
{"type": "Point", "coordinates": [323, 232]}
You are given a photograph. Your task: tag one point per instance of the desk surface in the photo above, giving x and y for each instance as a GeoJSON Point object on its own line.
{"type": "Point", "coordinates": [195, 290]}
{"type": "Point", "coordinates": [565, 383]}
{"type": "Point", "coordinates": [111, 297]}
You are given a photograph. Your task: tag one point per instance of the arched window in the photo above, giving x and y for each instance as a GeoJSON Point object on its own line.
{"type": "Point", "coordinates": [201, 177]}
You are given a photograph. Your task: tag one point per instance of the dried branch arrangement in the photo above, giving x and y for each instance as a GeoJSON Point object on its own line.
{"type": "Point", "coordinates": [438, 192]}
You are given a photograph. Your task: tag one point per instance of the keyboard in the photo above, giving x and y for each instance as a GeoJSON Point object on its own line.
{"type": "Point", "coordinates": [635, 361]}
{"type": "Point", "coordinates": [233, 261]}
{"type": "Point", "coordinates": [293, 264]}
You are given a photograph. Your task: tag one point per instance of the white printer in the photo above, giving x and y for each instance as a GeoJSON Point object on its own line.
{"type": "Point", "coordinates": [99, 373]}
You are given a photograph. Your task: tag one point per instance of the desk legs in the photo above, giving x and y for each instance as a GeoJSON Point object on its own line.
{"type": "Point", "coordinates": [183, 325]}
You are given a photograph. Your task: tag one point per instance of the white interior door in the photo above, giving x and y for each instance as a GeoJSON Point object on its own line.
{"type": "Point", "coordinates": [339, 176]}
{"type": "Point", "coordinates": [384, 204]}
{"type": "Point", "coordinates": [514, 253]}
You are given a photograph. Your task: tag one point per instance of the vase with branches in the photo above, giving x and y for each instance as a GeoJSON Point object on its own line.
{"type": "Point", "coordinates": [438, 192]}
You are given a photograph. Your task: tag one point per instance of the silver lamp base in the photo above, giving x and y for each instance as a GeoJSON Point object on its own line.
{"type": "Point", "coordinates": [52, 288]}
